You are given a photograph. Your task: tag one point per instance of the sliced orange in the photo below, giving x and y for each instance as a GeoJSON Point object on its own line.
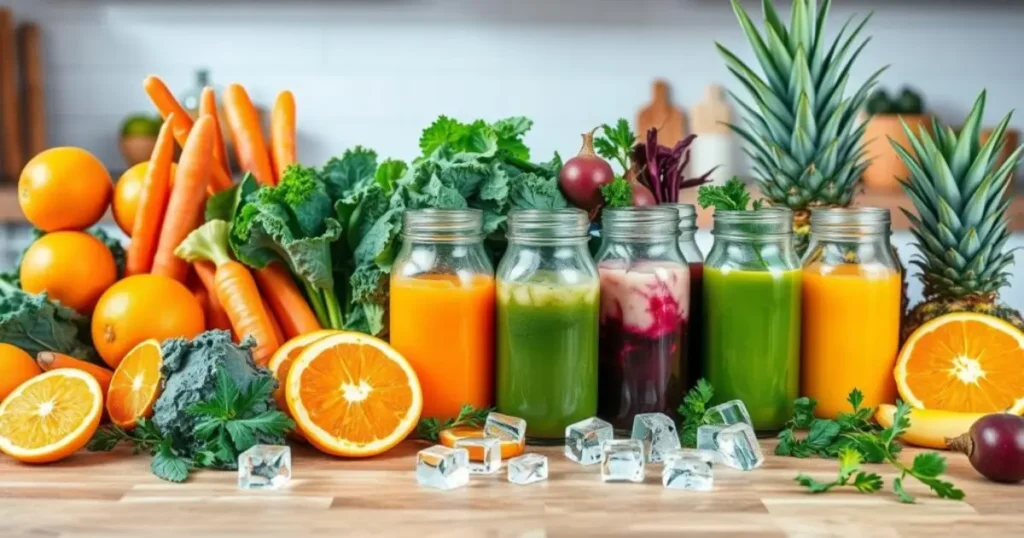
{"type": "Point", "coordinates": [509, 449]}
{"type": "Point", "coordinates": [135, 385]}
{"type": "Point", "coordinates": [281, 361]}
{"type": "Point", "coordinates": [353, 395]}
{"type": "Point", "coordinates": [966, 362]}
{"type": "Point", "coordinates": [50, 416]}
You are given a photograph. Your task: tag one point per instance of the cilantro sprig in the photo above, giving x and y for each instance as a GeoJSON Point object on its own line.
{"type": "Point", "coordinates": [227, 425]}
{"type": "Point", "coordinates": [849, 467]}
{"type": "Point", "coordinates": [826, 438]}
{"type": "Point", "coordinates": [429, 429]}
{"type": "Point", "coordinates": [694, 412]}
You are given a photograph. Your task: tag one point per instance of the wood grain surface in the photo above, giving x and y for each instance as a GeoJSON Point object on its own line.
{"type": "Point", "coordinates": [11, 155]}
{"type": "Point", "coordinates": [114, 494]}
{"type": "Point", "coordinates": [32, 88]}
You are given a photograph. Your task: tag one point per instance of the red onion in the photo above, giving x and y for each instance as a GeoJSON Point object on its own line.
{"type": "Point", "coordinates": [582, 176]}
{"type": "Point", "coordinates": [995, 447]}
{"type": "Point", "coordinates": [642, 195]}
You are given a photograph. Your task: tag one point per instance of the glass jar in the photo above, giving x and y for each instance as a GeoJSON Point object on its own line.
{"type": "Point", "coordinates": [645, 301]}
{"type": "Point", "coordinates": [547, 323]}
{"type": "Point", "coordinates": [851, 309]}
{"type": "Point", "coordinates": [442, 309]}
{"type": "Point", "coordinates": [695, 260]}
{"type": "Point", "coordinates": [752, 314]}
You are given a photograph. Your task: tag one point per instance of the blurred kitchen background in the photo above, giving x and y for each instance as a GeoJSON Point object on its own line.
{"type": "Point", "coordinates": [376, 72]}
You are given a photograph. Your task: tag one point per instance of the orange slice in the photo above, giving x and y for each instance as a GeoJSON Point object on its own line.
{"type": "Point", "coordinates": [281, 361]}
{"type": "Point", "coordinates": [509, 449]}
{"type": "Point", "coordinates": [353, 395]}
{"type": "Point", "coordinates": [50, 416]}
{"type": "Point", "coordinates": [966, 362]}
{"type": "Point", "coordinates": [135, 385]}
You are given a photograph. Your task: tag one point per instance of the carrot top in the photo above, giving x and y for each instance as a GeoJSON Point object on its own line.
{"type": "Point", "coordinates": [208, 242]}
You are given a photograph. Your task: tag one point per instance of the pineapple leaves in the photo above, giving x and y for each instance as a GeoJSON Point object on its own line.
{"type": "Point", "coordinates": [800, 32]}
{"type": "Point", "coordinates": [967, 145]}
{"type": "Point", "coordinates": [764, 56]}
{"type": "Point", "coordinates": [985, 159]}
{"type": "Point", "coordinates": [771, 17]}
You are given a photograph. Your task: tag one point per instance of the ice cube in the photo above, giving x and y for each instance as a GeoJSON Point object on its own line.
{"type": "Point", "coordinates": [583, 440]}
{"type": "Point", "coordinates": [689, 469]}
{"type": "Point", "coordinates": [442, 467]}
{"type": "Point", "coordinates": [527, 469]}
{"type": "Point", "coordinates": [658, 433]}
{"type": "Point", "coordinates": [729, 413]}
{"type": "Point", "coordinates": [707, 437]}
{"type": "Point", "coordinates": [489, 449]}
{"type": "Point", "coordinates": [622, 461]}
{"type": "Point", "coordinates": [738, 447]}
{"type": "Point", "coordinates": [505, 428]}
{"type": "Point", "coordinates": [264, 467]}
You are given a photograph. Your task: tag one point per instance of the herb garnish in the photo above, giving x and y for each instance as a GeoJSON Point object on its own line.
{"type": "Point", "coordinates": [616, 144]}
{"type": "Point", "coordinates": [693, 410]}
{"type": "Point", "coordinates": [429, 429]}
{"type": "Point", "coordinates": [826, 438]}
{"type": "Point", "coordinates": [732, 196]}
{"type": "Point", "coordinates": [226, 427]}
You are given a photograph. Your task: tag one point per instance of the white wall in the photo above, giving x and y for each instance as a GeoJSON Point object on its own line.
{"type": "Point", "coordinates": [377, 72]}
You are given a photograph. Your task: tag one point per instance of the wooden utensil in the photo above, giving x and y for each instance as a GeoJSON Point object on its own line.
{"type": "Point", "coordinates": [715, 146]}
{"type": "Point", "coordinates": [663, 115]}
{"type": "Point", "coordinates": [11, 159]}
{"type": "Point", "coordinates": [32, 92]}
{"type": "Point", "coordinates": [712, 115]}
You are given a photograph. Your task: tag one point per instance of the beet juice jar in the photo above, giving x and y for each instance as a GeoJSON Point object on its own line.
{"type": "Point", "coordinates": [695, 260]}
{"type": "Point", "coordinates": [645, 300]}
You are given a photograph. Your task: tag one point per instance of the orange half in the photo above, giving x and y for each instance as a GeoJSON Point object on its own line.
{"type": "Point", "coordinates": [353, 395]}
{"type": "Point", "coordinates": [281, 361]}
{"type": "Point", "coordinates": [135, 385]}
{"type": "Point", "coordinates": [965, 362]}
{"type": "Point", "coordinates": [50, 416]}
{"type": "Point", "coordinates": [509, 449]}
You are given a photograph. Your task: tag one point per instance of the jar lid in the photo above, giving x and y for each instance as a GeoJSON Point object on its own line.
{"type": "Point", "coordinates": [449, 223]}
{"type": "Point", "coordinates": [767, 221]}
{"type": "Point", "coordinates": [548, 224]}
{"type": "Point", "coordinates": [850, 217]}
{"type": "Point", "coordinates": [646, 222]}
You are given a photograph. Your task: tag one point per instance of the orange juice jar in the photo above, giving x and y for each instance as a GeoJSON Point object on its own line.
{"type": "Point", "coordinates": [851, 290]}
{"type": "Point", "coordinates": [442, 309]}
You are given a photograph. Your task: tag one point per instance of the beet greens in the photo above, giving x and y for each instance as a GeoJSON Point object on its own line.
{"type": "Point", "coordinates": [662, 169]}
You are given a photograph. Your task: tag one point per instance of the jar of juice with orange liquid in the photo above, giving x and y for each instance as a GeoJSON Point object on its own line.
{"type": "Point", "coordinates": [442, 309]}
{"type": "Point", "coordinates": [851, 290]}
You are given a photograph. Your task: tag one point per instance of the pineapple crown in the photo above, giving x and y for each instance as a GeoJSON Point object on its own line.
{"type": "Point", "coordinates": [804, 138]}
{"type": "Point", "coordinates": [957, 187]}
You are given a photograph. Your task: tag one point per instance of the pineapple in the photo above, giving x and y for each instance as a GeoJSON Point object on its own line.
{"type": "Point", "coordinates": [804, 137]}
{"type": "Point", "coordinates": [960, 227]}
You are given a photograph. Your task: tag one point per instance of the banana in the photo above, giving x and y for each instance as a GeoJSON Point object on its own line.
{"type": "Point", "coordinates": [929, 427]}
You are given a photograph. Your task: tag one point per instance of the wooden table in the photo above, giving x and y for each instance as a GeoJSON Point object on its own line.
{"type": "Point", "coordinates": [114, 494]}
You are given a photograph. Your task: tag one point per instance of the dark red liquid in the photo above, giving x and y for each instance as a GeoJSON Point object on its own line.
{"type": "Point", "coordinates": [694, 335]}
{"type": "Point", "coordinates": [638, 374]}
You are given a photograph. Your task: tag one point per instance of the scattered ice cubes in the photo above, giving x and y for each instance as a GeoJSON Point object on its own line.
{"type": "Point", "coordinates": [738, 447]}
{"type": "Point", "coordinates": [527, 469]}
{"type": "Point", "coordinates": [729, 413]}
{"type": "Point", "coordinates": [688, 469]}
{"type": "Point", "coordinates": [707, 437]}
{"type": "Point", "coordinates": [583, 440]}
{"type": "Point", "coordinates": [505, 428]}
{"type": "Point", "coordinates": [658, 434]}
{"type": "Point", "coordinates": [622, 460]}
{"type": "Point", "coordinates": [489, 449]}
{"type": "Point", "coordinates": [442, 467]}
{"type": "Point", "coordinates": [264, 467]}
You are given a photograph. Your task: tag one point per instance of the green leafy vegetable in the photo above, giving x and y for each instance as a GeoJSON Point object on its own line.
{"type": "Point", "coordinates": [732, 196]}
{"type": "Point", "coordinates": [429, 429]}
{"type": "Point", "coordinates": [826, 438]}
{"type": "Point", "coordinates": [34, 323]}
{"type": "Point", "coordinates": [616, 143]}
{"type": "Point", "coordinates": [693, 410]}
{"type": "Point", "coordinates": [618, 193]}
{"type": "Point", "coordinates": [849, 465]}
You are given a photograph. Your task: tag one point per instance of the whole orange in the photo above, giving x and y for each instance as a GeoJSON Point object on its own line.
{"type": "Point", "coordinates": [64, 189]}
{"type": "Point", "coordinates": [141, 307]}
{"type": "Point", "coordinates": [74, 268]}
{"type": "Point", "coordinates": [127, 192]}
{"type": "Point", "coordinates": [16, 367]}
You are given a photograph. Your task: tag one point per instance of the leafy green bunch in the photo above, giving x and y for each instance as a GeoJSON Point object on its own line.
{"type": "Point", "coordinates": [827, 438]}
{"type": "Point", "coordinates": [694, 412]}
{"type": "Point", "coordinates": [225, 427]}
{"type": "Point", "coordinates": [616, 144]}
{"type": "Point", "coordinates": [732, 196]}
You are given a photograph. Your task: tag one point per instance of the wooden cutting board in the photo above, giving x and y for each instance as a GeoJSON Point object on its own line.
{"type": "Point", "coordinates": [32, 88]}
{"type": "Point", "coordinates": [11, 157]}
{"type": "Point", "coordinates": [712, 115]}
{"type": "Point", "coordinates": [662, 115]}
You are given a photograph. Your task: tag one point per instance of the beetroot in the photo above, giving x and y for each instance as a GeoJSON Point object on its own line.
{"type": "Point", "coordinates": [995, 447]}
{"type": "Point", "coordinates": [582, 176]}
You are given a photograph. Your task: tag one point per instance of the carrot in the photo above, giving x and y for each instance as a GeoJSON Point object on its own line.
{"type": "Point", "coordinates": [208, 107]}
{"type": "Point", "coordinates": [282, 133]}
{"type": "Point", "coordinates": [166, 104]}
{"type": "Point", "coordinates": [50, 360]}
{"type": "Point", "coordinates": [188, 197]}
{"type": "Point", "coordinates": [286, 301]}
{"type": "Point", "coordinates": [273, 319]}
{"type": "Point", "coordinates": [234, 287]}
{"type": "Point", "coordinates": [149, 216]}
{"type": "Point", "coordinates": [216, 317]}
{"type": "Point", "coordinates": [244, 122]}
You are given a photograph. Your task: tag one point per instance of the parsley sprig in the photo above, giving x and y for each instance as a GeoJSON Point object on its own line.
{"type": "Point", "coordinates": [429, 429]}
{"type": "Point", "coordinates": [849, 467]}
{"type": "Point", "coordinates": [694, 412]}
{"type": "Point", "coordinates": [227, 425]}
{"type": "Point", "coordinates": [826, 438]}
{"type": "Point", "coordinates": [615, 143]}
{"type": "Point", "coordinates": [732, 196]}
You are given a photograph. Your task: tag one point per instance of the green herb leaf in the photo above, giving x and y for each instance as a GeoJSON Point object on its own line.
{"type": "Point", "coordinates": [867, 482]}
{"type": "Point", "coordinates": [822, 434]}
{"type": "Point", "coordinates": [618, 193]}
{"type": "Point", "coordinates": [900, 423]}
{"type": "Point", "coordinates": [615, 143]}
{"type": "Point", "coordinates": [897, 488]}
{"type": "Point", "coordinates": [732, 196]}
{"type": "Point", "coordinates": [942, 488]}
{"type": "Point", "coordinates": [856, 397]}
{"type": "Point", "coordinates": [813, 485]}
{"type": "Point", "coordinates": [849, 462]}
{"type": "Point", "coordinates": [430, 429]}
{"type": "Point", "coordinates": [167, 465]}
{"type": "Point", "coordinates": [928, 465]}
{"type": "Point", "coordinates": [693, 411]}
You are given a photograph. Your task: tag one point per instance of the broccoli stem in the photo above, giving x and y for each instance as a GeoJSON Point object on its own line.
{"type": "Point", "coordinates": [318, 305]}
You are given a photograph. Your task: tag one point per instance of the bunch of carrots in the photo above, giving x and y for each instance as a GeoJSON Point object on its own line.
{"type": "Point", "coordinates": [266, 303]}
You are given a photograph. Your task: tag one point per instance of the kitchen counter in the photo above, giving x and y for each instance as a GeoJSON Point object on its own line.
{"type": "Point", "coordinates": [10, 212]}
{"type": "Point", "coordinates": [114, 494]}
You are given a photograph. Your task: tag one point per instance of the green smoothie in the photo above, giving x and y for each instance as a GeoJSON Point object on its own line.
{"type": "Point", "coordinates": [752, 341]}
{"type": "Point", "coordinates": [547, 355]}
